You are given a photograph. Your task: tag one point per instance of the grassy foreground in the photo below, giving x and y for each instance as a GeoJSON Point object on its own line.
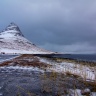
{"type": "Point", "coordinates": [53, 83]}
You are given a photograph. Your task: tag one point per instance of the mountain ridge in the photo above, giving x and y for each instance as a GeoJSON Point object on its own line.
{"type": "Point", "coordinates": [12, 26]}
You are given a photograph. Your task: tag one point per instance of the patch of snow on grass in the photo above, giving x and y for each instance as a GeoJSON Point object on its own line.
{"type": "Point", "coordinates": [24, 68]}
{"type": "Point", "coordinates": [84, 71]}
{"type": "Point", "coordinates": [93, 94]}
{"type": "Point", "coordinates": [46, 61]}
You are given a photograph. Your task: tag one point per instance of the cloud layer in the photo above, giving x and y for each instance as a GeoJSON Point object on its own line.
{"type": "Point", "coordinates": [59, 25]}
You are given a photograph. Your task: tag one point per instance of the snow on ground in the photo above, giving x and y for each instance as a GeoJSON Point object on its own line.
{"type": "Point", "coordinates": [80, 70]}
{"type": "Point", "coordinates": [1, 94]}
{"type": "Point", "coordinates": [93, 94]}
{"type": "Point", "coordinates": [77, 92]}
{"type": "Point", "coordinates": [23, 68]}
{"type": "Point", "coordinates": [45, 60]}
{"type": "Point", "coordinates": [21, 51]}
{"type": "Point", "coordinates": [87, 73]}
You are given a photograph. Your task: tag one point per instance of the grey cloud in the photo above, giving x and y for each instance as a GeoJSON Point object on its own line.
{"type": "Point", "coordinates": [56, 23]}
{"type": "Point", "coordinates": [77, 48]}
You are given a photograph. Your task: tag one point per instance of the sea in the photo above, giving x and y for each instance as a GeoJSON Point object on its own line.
{"type": "Point", "coordinates": [6, 57]}
{"type": "Point", "coordinates": [82, 57]}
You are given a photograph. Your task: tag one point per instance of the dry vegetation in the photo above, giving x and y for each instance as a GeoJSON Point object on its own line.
{"type": "Point", "coordinates": [6, 63]}
{"type": "Point", "coordinates": [54, 83]}
{"type": "Point", "coordinates": [25, 60]}
{"type": "Point", "coordinates": [88, 63]}
{"type": "Point", "coordinates": [61, 84]}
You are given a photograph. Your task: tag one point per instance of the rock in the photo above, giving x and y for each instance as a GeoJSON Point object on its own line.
{"type": "Point", "coordinates": [86, 92]}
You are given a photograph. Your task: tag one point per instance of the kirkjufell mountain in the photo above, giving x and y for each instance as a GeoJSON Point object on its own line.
{"type": "Point", "coordinates": [12, 41]}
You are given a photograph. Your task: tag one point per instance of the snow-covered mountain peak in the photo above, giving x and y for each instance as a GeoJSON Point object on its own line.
{"type": "Point", "coordinates": [12, 28]}
{"type": "Point", "coordinates": [13, 41]}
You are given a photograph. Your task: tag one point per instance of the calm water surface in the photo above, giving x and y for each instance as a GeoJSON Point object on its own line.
{"type": "Point", "coordinates": [84, 57]}
{"type": "Point", "coordinates": [6, 57]}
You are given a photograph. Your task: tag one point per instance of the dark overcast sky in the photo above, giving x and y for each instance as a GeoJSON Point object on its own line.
{"type": "Point", "coordinates": [67, 26]}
